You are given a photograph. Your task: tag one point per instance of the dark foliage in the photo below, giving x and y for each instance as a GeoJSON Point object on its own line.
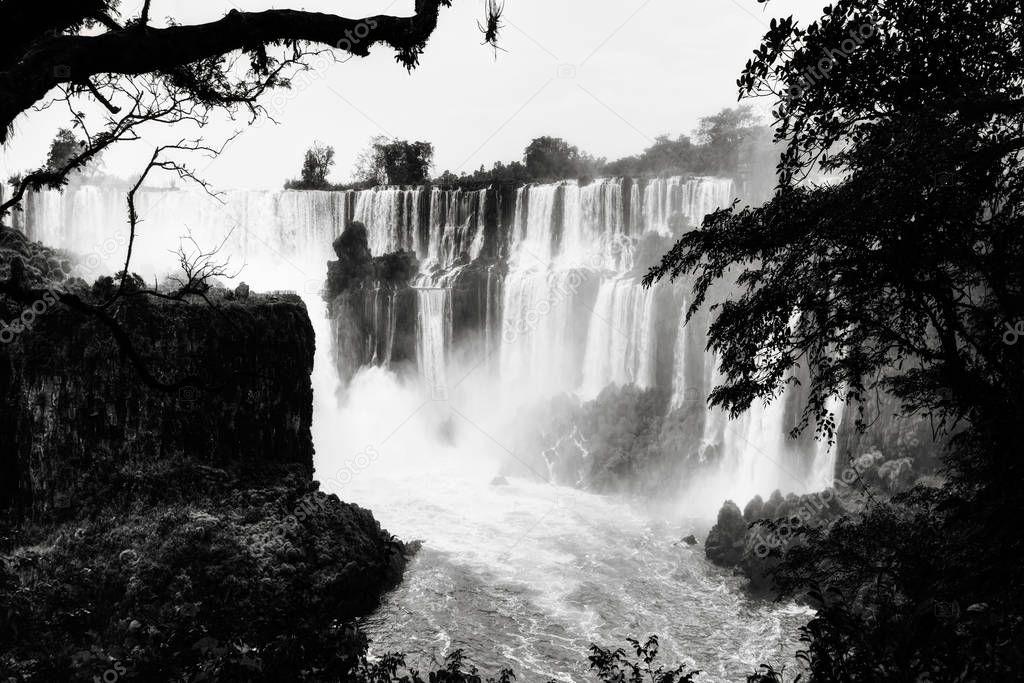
{"type": "Point", "coordinates": [547, 157]}
{"type": "Point", "coordinates": [617, 666]}
{"type": "Point", "coordinates": [49, 47]}
{"type": "Point", "coordinates": [395, 162]}
{"type": "Point", "coordinates": [730, 143]}
{"type": "Point", "coordinates": [243, 585]}
{"type": "Point", "coordinates": [904, 274]}
{"type": "Point", "coordinates": [315, 167]}
{"type": "Point", "coordinates": [727, 142]}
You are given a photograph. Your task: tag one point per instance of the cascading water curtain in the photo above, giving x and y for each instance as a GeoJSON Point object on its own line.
{"type": "Point", "coordinates": [564, 312]}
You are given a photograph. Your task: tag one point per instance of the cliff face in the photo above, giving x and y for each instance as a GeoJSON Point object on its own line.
{"type": "Point", "coordinates": [168, 535]}
{"type": "Point", "coordinates": [76, 417]}
{"type": "Point", "coordinates": [370, 303]}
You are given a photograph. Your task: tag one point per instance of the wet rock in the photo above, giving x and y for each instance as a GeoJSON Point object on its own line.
{"type": "Point", "coordinates": [728, 538]}
{"type": "Point", "coordinates": [753, 509]}
{"type": "Point", "coordinates": [499, 481]}
{"type": "Point", "coordinates": [372, 304]}
{"type": "Point", "coordinates": [690, 540]}
{"type": "Point", "coordinates": [242, 291]}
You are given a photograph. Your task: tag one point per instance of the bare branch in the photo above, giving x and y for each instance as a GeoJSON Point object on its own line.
{"type": "Point", "coordinates": [203, 269]}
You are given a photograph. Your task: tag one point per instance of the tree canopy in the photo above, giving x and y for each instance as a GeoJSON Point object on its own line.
{"type": "Point", "coordinates": [395, 162]}
{"type": "Point", "coordinates": [548, 157]}
{"type": "Point", "coordinates": [733, 142]}
{"type": "Point", "coordinates": [908, 270]}
{"type": "Point", "coordinates": [316, 164]}
{"type": "Point", "coordinates": [904, 273]}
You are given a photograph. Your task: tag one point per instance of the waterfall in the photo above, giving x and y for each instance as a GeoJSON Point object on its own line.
{"type": "Point", "coordinates": [690, 198]}
{"type": "Point", "coordinates": [540, 284]}
{"type": "Point", "coordinates": [456, 225]}
{"type": "Point", "coordinates": [683, 388]}
{"type": "Point", "coordinates": [621, 341]}
{"type": "Point", "coordinates": [391, 217]}
{"type": "Point", "coordinates": [433, 332]}
{"type": "Point", "coordinates": [257, 228]}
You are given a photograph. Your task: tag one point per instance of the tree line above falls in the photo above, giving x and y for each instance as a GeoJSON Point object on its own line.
{"type": "Point", "coordinates": [730, 142]}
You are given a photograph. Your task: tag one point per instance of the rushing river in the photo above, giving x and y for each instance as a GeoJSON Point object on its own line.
{"type": "Point", "coordinates": [527, 575]}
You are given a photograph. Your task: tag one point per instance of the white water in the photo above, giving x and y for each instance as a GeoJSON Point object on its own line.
{"type": "Point", "coordinates": [574, 317]}
{"type": "Point", "coordinates": [621, 340]}
{"type": "Point", "coordinates": [433, 339]}
{"type": "Point", "coordinates": [529, 574]}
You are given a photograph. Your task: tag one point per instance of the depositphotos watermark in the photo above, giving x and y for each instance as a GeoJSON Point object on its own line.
{"type": "Point", "coordinates": [783, 533]}
{"type": "Point", "coordinates": [1013, 333]}
{"type": "Point", "coordinates": [307, 508]}
{"type": "Point", "coordinates": [9, 330]}
{"type": "Point", "coordinates": [91, 264]}
{"type": "Point", "coordinates": [353, 466]}
{"type": "Point", "coordinates": [316, 69]}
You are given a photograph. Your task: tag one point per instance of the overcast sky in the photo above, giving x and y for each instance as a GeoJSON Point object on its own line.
{"type": "Point", "coordinates": [607, 76]}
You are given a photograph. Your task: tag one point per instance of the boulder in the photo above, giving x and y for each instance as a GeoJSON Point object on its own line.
{"type": "Point", "coordinates": [728, 537]}
{"type": "Point", "coordinates": [753, 509]}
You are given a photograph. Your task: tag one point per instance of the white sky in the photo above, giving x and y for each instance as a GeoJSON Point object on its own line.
{"type": "Point", "coordinates": [608, 78]}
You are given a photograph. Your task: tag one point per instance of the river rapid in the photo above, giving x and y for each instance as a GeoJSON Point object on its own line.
{"type": "Point", "coordinates": [527, 575]}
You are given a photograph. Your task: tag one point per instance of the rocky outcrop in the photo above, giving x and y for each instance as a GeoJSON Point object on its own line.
{"type": "Point", "coordinates": [158, 518]}
{"type": "Point", "coordinates": [370, 304]}
{"type": "Point", "coordinates": [752, 542]}
{"type": "Point", "coordinates": [727, 539]}
{"type": "Point", "coordinates": [373, 304]}
{"type": "Point", "coordinates": [248, 584]}
{"type": "Point", "coordinates": [78, 423]}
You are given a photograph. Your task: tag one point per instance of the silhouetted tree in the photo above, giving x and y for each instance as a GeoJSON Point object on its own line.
{"type": "Point", "coordinates": [721, 137]}
{"type": "Point", "coordinates": [395, 162]}
{"type": "Point", "coordinates": [144, 73]}
{"type": "Point", "coordinates": [316, 164]}
{"type": "Point", "coordinates": [547, 157]}
{"type": "Point", "coordinates": [905, 274]}
{"type": "Point", "coordinates": [63, 148]}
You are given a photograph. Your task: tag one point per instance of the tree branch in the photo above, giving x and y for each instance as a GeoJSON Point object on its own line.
{"type": "Point", "coordinates": [73, 58]}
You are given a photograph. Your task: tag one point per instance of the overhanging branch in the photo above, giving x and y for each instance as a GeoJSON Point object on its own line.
{"type": "Point", "coordinates": [74, 58]}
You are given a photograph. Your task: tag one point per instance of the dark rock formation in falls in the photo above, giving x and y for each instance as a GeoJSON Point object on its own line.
{"type": "Point", "coordinates": [752, 542]}
{"type": "Point", "coordinates": [374, 309]}
{"type": "Point", "coordinates": [370, 304]}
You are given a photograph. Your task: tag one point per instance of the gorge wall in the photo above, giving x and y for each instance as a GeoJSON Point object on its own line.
{"type": "Point", "coordinates": [78, 424]}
